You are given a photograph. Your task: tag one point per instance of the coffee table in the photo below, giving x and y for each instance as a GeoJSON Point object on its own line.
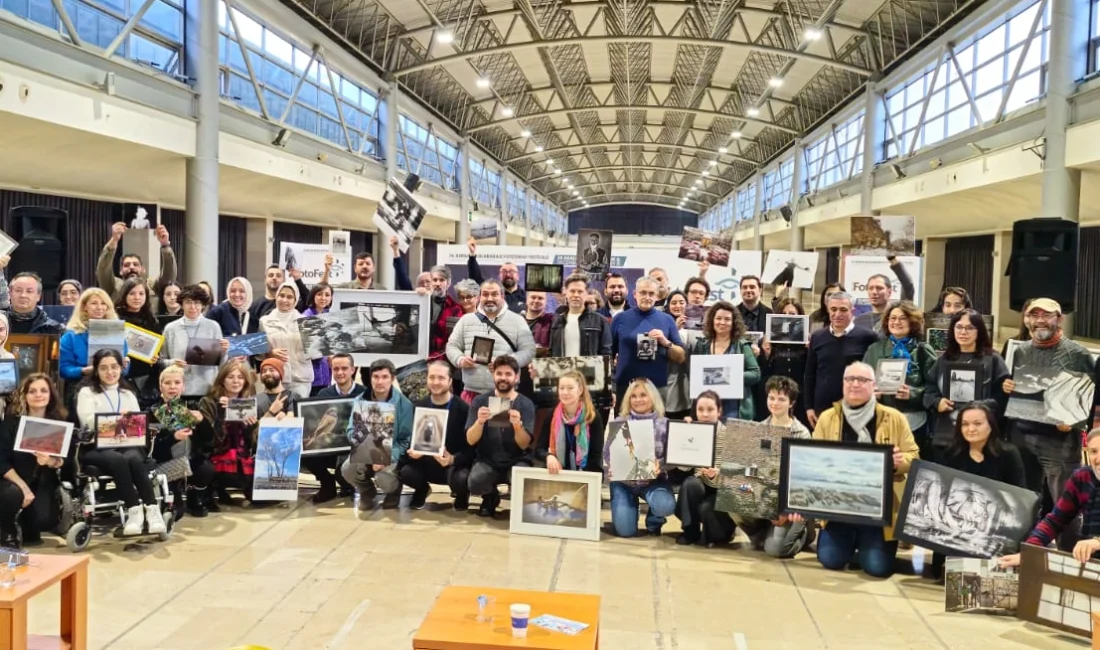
{"type": "Point", "coordinates": [43, 572]}
{"type": "Point", "coordinates": [452, 624]}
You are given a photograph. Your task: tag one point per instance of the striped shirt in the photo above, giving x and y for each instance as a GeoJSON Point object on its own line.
{"type": "Point", "coordinates": [1077, 498]}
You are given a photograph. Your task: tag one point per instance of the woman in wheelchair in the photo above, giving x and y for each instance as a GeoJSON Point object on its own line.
{"type": "Point", "coordinates": [178, 446]}
{"type": "Point", "coordinates": [101, 393]}
{"type": "Point", "coordinates": [28, 495]}
{"type": "Point", "coordinates": [229, 444]}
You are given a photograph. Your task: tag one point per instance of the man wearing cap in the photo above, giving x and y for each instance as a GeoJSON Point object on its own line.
{"type": "Point", "coordinates": [275, 401]}
{"type": "Point", "coordinates": [1050, 452]}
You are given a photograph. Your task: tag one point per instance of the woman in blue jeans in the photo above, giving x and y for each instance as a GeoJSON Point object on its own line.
{"type": "Point", "coordinates": [642, 402]}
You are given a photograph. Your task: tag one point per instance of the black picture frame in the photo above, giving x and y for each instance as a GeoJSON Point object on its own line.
{"type": "Point", "coordinates": [547, 278]}
{"type": "Point", "coordinates": [878, 457]}
{"type": "Point", "coordinates": [128, 442]}
{"type": "Point", "coordinates": [9, 368]}
{"type": "Point", "coordinates": [478, 353]}
{"type": "Point", "coordinates": [979, 382]}
{"type": "Point", "coordinates": [1013, 510]}
{"type": "Point", "coordinates": [677, 428]}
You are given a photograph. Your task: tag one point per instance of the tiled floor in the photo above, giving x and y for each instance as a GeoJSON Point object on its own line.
{"type": "Point", "coordinates": [301, 577]}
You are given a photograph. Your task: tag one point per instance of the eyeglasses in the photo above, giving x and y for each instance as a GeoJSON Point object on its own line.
{"type": "Point", "coordinates": [965, 329]}
{"type": "Point", "coordinates": [862, 381]}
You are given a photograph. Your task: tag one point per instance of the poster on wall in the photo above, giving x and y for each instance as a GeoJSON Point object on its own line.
{"type": "Point", "coordinates": [310, 260]}
{"type": "Point", "coordinates": [859, 268]}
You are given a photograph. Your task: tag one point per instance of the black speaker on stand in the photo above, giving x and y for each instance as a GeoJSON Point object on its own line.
{"type": "Point", "coordinates": [1043, 262]}
{"type": "Point", "coordinates": [41, 235]}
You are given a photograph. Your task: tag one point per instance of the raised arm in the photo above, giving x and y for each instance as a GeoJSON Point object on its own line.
{"type": "Point", "coordinates": [104, 273]}
{"type": "Point", "coordinates": [400, 268]}
{"type": "Point", "coordinates": [907, 290]}
{"type": "Point", "coordinates": [168, 268]}
{"type": "Point", "coordinates": [473, 269]}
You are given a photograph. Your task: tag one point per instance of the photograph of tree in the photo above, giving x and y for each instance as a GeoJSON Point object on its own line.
{"type": "Point", "coordinates": [278, 460]}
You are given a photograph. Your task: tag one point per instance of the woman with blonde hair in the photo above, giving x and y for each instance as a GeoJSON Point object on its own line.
{"type": "Point", "coordinates": [176, 444]}
{"type": "Point", "coordinates": [281, 327]}
{"type": "Point", "coordinates": [572, 437]}
{"type": "Point", "coordinates": [229, 444]}
{"type": "Point", "coordinates": [94, 304]}
{"type": "Point", "coordinates": [642, 402]}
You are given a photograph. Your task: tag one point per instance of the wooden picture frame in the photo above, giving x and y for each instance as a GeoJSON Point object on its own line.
{"type": "Point", "coordinates": [846, 482]}
{"type": "Point", "coordinates": [1058, 591]}
{"type": "Point", "coordinates": [33, 352]}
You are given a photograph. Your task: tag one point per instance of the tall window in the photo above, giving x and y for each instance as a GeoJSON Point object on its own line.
{"type": "Point", "coordinates": [777, 185]}
{"type": "Point", "coordinates": [746, 202]}
{"type": "Point", "coordinates": [421, 151]}
{"type": "Point", "coordinates": [836, 156]}
{"type": "Point", "coordinates": [517, 202]}
{"type": "Point", "coordinates": [484, 184]}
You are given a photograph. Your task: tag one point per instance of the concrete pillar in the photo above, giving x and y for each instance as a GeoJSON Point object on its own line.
{"type": "Point", "coordinates": [798, 234]}
{"type": "Point", "coordinates": [871, 105]}
{"type": "Point", "coordinates": [1005, 321]}
{"type": "Point", "coordinates": [462, 229]}
{"type": "Point", "coordinates": [502, 229]}
{"type": "Point", "coordinates": [935, 255]}
{"type": "Point", "coordinates": [201, 219]}
{"type": "Point", "coordinates": [758, 213]}
{"type": "Point", "coordinates": [383, 254]}
{"type": "Point", "coordinates": [259, 233]}
{"type": "Point", "coordinates": [527, 239]}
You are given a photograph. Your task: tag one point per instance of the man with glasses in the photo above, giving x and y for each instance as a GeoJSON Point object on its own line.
{"type": "Point", "coordinates": [832, 349]}
{"type": "Point", "coordinates": [1050, 452]}
{"type": "Point", "coordinates": [514, 295]}
{"type": "Point", "coordinates": [645, 340]}
{"type": "Point", "coordinates": [859, 418]}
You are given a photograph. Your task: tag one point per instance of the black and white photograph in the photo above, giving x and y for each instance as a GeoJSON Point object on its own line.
{"type": "Point", "coordinates": [548, 370]}
{"type": "Point", "coordinates": [647, 348]}
{"type": "Point", "coordinates": [429, 436]}
{"type": "Point", "coordinates": [793, 269]}
{"type": "Point", "coordinates": [499, 406]}
{"type": "Point", "coordinates": [964, 383]}
{"type": "Point", "coordinates": [694, 315]}
{"type": "Point", "coordinates": [371, 432]}
{"type": "Point", "coordinates": [631, 451]}
{"type": "Point", "coordinates": [482, 351]}
{"type": "Point", "coordinates": [142, 344]}
{"type": "Point", "coordinates": [382, 325]}
{"type": "Point", "coordinates": [339, 242]}
{"type": "Point", "coordinates": [781, 329]}
{"type": "Point", "coordinates": [9, 376]}
{"type": "Point", "coordinates": [837, 481]}
{"type": "Point", "coordinates": [721, 373]}
{"type": "Point", "coordinates": [700, 245]}
{"type": "Point", "coordinates": [399, 215]}
{"type": "Point", "coordinates": [248, 345]}
{"type": "Point", "coordinates": [961, 514]}
{"type": "Point", "coordinates": [594, 252]}
{"type": "Point", "coordinates": [325, 425]}
{"type": "Point", "coordinates": [239, 409]}
{"type": "Point", "coordinates": [1050, 396]}
{"type": "Point", "coordinates": [106, 334]}
{"type": "Point", "coordinates": [890, 375]}
{"type": "Point", "coordinates": [543, 277]}
{"type": "Point", "coordinates": [140, 216]}
{"type": "Point", "coordinates": [691, 444]}
{"type": "Point", "coordinates": [485, 228]}
{"type": "Point", "coordinates": [753, 338]}
{"type": "Point", "coordinates": [203, 352]}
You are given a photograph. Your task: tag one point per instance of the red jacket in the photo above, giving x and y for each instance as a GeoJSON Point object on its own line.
{"type": "Point", "coordinates": [440, 332]}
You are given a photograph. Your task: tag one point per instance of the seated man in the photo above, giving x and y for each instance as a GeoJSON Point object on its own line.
{"type": "Point", "coordinates": [857, 417]}
{"type": "Point", "coordinates": [367, 477]}
{"type": "Point", "coordinates": [344, 386]}
{"type": "Point", "coordinates": [453, 467]}
{"type": "Point", "coordinates": [500, 437]}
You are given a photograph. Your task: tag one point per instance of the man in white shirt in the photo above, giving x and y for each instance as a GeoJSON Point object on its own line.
{"type": "Point", "coordinates": [579, 332]}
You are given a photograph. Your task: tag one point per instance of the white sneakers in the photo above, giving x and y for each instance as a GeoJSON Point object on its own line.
{"type": "Point", "coordinates": [156, 521]}
{"type": "Point", "coordinates": [138, 515]}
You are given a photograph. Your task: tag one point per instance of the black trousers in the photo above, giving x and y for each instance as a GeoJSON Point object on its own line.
{"type": "Point", "coordinates": [325, 468]}
{"type": "Point", "coordinates": [202, 473]}
{"type": "Point", "coordinates": [695, 507]}
{"type": "Point", "coordinates": [484, 478]}
{"type": "Point", "coordinates": [419, 473]}
{"type": "Point", "coordinates": [42, 514]}
{"type": "Point", "coordinates": [129, 471]}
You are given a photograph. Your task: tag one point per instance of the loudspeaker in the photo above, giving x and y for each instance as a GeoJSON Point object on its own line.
{"type": "Point", "coordinates": [41, 244]}
{"type": "Point", "coordinates": [786, 212]}
{"type": "Point", "coordinates": [1043, 262]}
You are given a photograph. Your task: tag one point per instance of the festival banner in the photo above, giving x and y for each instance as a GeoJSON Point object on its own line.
{"type": "Point", "coordinates": [310, 260]}
{"type": "Point", "coordinates": [859, 268]}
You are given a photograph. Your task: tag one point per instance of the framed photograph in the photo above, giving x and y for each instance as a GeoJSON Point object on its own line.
{"type": "Point", "coordinates": [371, 434]}
{"type": "Point", "coordinates": [794, 269]}
{"type": "Point", "coordinates": [694, 315]}
{"type": "Point", "coordinates": [632, 451]}
{"type": "Point", "coordinates": [142, 344]}
{"type": "Point", "coordinates": [7, 244]}
{"type": "Point", "coordinates": [50, 437]}
{"type": "Point", "coordinates": [594, 252]}
{"type": "Point", "coordinates": [106, 335]}
{"type": "Point", "coordinates": [9, 376]}
{"type": "Point", "coordinates": [937, 320]}
{"type": "Point", "coordinates": [721, 373]}
{"type": "Point", "coordinates": [484, 228]}
{"type": "Point", "coordinates": [890, 375]}
{"type": "Point", "coordinates": [482, 351]}
{"type": "Point", "coordinates": [33, 352]}
{"type": "Point", "coordinates": [1011, 345]}
{"type": "Point", "coordinates": [691, 444]}
{"type": "Point", "coordinates": [884, 235]}
{"type": "Point", "coordinates": [60, 313]}
{"type": "Point", "coordinates": [140, 216]}
{"type": "Point", "coordinates": [399, 215]}
{"type": "Point", "coordinates": [413, 380]}
{"type": "Point", "coordinates": [936, 338]}
{"type": "Point", "coordinates": [203, 352]}
{"type": "Point", "coordinates": [240, 409]}
{"type": "Point", "coordinates": [278, 460]}
{"type": "Point", "coordinates": [1050, 395]}
{"type": "Point", "coordinates": [748, 469]}
{"type": "Point", "coordinates": [964, 383]}
{"type": "Point", "coordinates": [976, 586]}
{"type": "Point", "coordinates": [646, 349]}
{"type": "Point", "coordinates": [248, 345]}
{"type": "Point", "coordinates": [389, 325]}
{"type": "Point", "coordinates": [960, 514]}
{"type": "Point", "coordinates": [549, 369]}
{"type": "Point", "coordinates": [849, 482]}
{"type": "Point", "coordinates": [339, 242]}
{"type": "Point", "coordinates": [114, 430]}
{"type": "Point", "coordinates": [324, 424]}
{"type": "Point", "coordinates": [543, 277]}
{"type": "Point", "coordinates": [753, 338]}
{"type": "Point", "coordinates": [700, 245]}
{"type": "Point", "coordinates": [565, 505]}
{"type": "Point", "coordinates": [430, 431]}
{"type": "Point", "coordinates": [790, 330]}
{"type": "Point", "coordinates": [1059, 592]}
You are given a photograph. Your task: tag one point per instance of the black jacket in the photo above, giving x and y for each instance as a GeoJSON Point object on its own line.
{"type": "Point", "coordinates": [517, 299]}
{"type": "Point", "coordinates": [595, 334]}
{"type": "Point", "coordinates": [40, 323]}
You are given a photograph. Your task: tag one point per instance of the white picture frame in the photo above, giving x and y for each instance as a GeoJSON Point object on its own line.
{"type": "Point", "coordinates": [691, 444]}
{"type": "Point", "coordinates": [429, 431]}
{"type": "Point", "coordinates": [278, 459]}
{"type": "Point", "coordinates": [559, 515]}
{"type": "Point", "coordinates": [722, 373]}
{"type": "Point", "coordinates": [339, 243]}
{"type": "Point", "coordinates": [40, 435]}
{"type": "Point", "coordinates": [795, 268]}
{"type": "Point", "coordinates": [7, 244]}
{"type": "Point", "coordinates": [378, 302]}
{"type": "Point", "coordinates": [890, 375]}
{"type": "Point", "coordinates": [399, 215]}
{"type": "Point", "coordinates": [787, 329]}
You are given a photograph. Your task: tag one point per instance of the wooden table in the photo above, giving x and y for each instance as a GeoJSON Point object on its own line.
{"type": "Point", "coordinates": [43, 572]}
{"type": "Point", "coordinates": [452, 622]}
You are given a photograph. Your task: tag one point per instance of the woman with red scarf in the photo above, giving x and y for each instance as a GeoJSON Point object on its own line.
{"type": "Point", "coordinates": [572, 438]}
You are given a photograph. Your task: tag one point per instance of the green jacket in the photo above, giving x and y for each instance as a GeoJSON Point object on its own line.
{"type": "Point", "coordinates": [752, 374]}
{"type": "Point", "coordinates": [920, 367]}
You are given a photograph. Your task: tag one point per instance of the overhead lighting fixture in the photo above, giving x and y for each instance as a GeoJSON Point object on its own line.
{"type": "Point", "coordinates": [507, 111]}
{"type": "Point", "coordinates": [538, 148]}
{"type": "Point", "coordinates": [812, 34]}
{"type": "Point", "coordinates": [557, 172]}
{"type": "Point", "coordinates": [576, 193]}
{"type": "Point", "coordinates": [714, 163]}
{"type": "Point", "coordinates": [723, 150]}
{"type": "Point", "coordinates": [775, 82]}
{"type": "Point", "coordinates": [706, 172]}
{"type": "Point", "coordinates": [698, 182]}
{"type": "Point", "coordinates": [753, 112]}
{"type": "Point", "coordinates": [525, 133]}
{"type": "Point", "coordinates": [483, 82]}
{"type": "Point", "coordinates": [565, 180]}
{"type": "Point", "coordinates": [569, 186]}
{"type": "Point", "coordinates": [735, 135]}
{"type": "Point", "coordinates": [444, 37]}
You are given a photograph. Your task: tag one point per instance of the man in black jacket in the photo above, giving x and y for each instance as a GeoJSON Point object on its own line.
{"type": "Point", "coordinates": [20, 303]}
{"type": "Point", "coordinates": [753, 312]}
{"type": "Point", "coordinates": [452, 467]}
{"type": "Point", "coordinates": [323, 467]}
{"type": "Point", "coordinates": [576, 331]}
{"type": "Point", "coordinates": [514, 295]}
{"type": "Point", "coordinates": [832, 349]}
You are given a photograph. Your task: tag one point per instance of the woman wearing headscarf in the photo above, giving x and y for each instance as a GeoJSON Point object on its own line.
{"type": "Point", "coordinates": [281, 327]}
{"type": "Point", "coordinates": [232, 313]}
{"type": "Point", "coordinates": [68, 292]}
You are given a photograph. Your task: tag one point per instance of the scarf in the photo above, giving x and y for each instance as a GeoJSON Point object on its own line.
{"type": "Point", "coordinates": [24, 317]}
{"type": "Point", "coordinates": [859, 417]}
{"type": "Point", "coordinates": [285, 317]}
{"type": "Point", "coordinates": [559, 441]}
{"type": "Point", "coordinates": [901, 347]}
{"type": "Point", "coordinates": [174, 415]}
{"type": "Point", "coordinates": [1054, 340]}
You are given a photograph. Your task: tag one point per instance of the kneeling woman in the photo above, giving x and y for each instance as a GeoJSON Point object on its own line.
{"type": "Point", "coordinates": [572, 438]}
{"type": "Point", "coordinates": [703, 524]}
{"type": "Point", "coordinates": [230, 444]}
{"type": "Point", "coordinates": [27, 493]}
{"type": "Point", "coordinates": [101, 393]}
{"type": "Point", "coordinates": [642, 402]}
{"type": "Point", "coordinates": [182, 426]}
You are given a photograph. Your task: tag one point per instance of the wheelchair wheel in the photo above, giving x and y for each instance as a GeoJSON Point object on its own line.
{"type": "Point", "coordinates": [78, 537]}
{"type": "Point", "coordinates": [67, 508]}
{"type": "Point", "coordinates": [169, 524]}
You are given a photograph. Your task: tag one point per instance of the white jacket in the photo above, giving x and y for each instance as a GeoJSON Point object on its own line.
{"type": "Point", "coordinates": [283, 333]}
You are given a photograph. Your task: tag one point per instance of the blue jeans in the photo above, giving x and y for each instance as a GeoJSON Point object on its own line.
{"type": "Point", "coordinates": [837, 545]}
{"type": "Point", "coordinates": [624, 506]}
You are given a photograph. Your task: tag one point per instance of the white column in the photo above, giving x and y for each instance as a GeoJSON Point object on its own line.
{"type": "Point", "coordinates": [871, 106]}
{"type": "Point", "coordinates": [462, 228]}
{"type": "Point", "coordinates": [502, 229]}
{"type": "Point", "coordinates": [798, 234]}
{"type": "Point", "coordinates": [383, 254]}
{"type": "Point", "coordinates": [527, 239]}
{"type": "Point", "coordinates": [201, 218]}
{"type": "Point", "coordinates": [757, 210]}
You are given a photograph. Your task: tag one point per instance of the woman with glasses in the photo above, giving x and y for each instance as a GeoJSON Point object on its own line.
{"type": "Point", "coordinates": [678, 402]}
{"type": "Point", "coordinates": [968, 342]}
{"type": "Point", "coordinates": [468, 293]}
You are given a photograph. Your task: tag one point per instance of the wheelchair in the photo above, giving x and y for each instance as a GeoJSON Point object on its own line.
{"type": "Point", "coordinates": [90, 505]}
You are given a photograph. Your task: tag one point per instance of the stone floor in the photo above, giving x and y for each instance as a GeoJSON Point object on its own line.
{"type": "Point", "coordinates": [301, 577]}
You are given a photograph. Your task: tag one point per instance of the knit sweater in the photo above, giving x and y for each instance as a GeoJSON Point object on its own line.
{"type": "Point", "coordinates": [177, 334]}
{"type": "Point", "coordinates": [1075, 499]}
{"type": "Point", "coordinates": [1065, 355]}
{"type": "Point", "coordinates": [625, 329]}
{"type": "Point", "coordinates": [112, 400]}
{"type": "Point", "coordinates": [829, 356]}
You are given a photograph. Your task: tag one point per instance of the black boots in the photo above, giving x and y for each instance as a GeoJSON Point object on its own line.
{"type": "Point", "coordinates": [196, 502]}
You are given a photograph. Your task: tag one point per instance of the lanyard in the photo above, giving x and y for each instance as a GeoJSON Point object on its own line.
{"type": "Point", "coordinates": [114, 406]}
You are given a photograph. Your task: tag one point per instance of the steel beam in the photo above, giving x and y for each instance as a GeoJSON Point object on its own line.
{"type": "Point", "coordinates": [634, 107]}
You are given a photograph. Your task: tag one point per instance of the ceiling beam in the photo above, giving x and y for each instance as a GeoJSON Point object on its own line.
{"type": "Point", "coordinates": [633, 107]}
{"type": "Point", "coordinates": [618, 146]}
{"type": "Point", "coordinates": [628, 182]}
{"type": "Point", "coordinates": [648, 168]}
{"type": "Point", "coordinates": [664, 199]}
{"type": "Point", "coordinates": [653, 203]}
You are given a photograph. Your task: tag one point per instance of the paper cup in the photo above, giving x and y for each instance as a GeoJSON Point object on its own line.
{"type": "Point", "coordinates": [520, 614]}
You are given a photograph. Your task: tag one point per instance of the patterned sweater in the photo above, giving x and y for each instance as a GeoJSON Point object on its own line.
{"type": "Point", "coordinates": [1077, 498]}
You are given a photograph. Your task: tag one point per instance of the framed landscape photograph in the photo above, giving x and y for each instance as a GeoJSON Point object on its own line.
{"type": "Point", "coordinates": [278, 460]}
{"type": "Point", "coordinates": [890, 375]}
{"type": "Point", "coordinates": [543, 277]}
{"type": "Point", "coordinates": [837, 481]}
{"type": "Point", "coordinates": [9, 376]}
{"type": "Point", "coordinates": [785, 329]}
{"type": "Point", "coordinates": [324, 425]}
{"type": "Point", "coordinates": [51, 437]}
{"type": "Point", "coordinates": [722, 373]}
{"type": "Point", "coordinates": [565, 505]}
{"type": "Point", "coordinates": [115, 431]}
{"type": "Point", "coordinates": [142, 344]}
{"type": "Point", "coordinates": [389, 325]}
{"type": "Point", "coordinates": [33, 352]}
{"type": "Point", "coordinates": [106, 334]}
{"type": "Point", "coordinates": [691, 444]}
{"type": "Point", "coordinates": [964, 383]}
{"type": "Point", "coordinates": [960, 514]}
{"type": "Point", "coordinates": [429, 434]}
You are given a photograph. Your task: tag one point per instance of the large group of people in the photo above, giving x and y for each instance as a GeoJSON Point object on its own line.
{"type": "Point", "coordinates": [825, 390]}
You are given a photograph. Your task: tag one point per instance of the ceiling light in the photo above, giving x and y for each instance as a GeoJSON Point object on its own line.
{"type": "Point", "coordinates": [569, 186]}
{"type": "Point", "coordinates": [525, 133]}
{"type": "Point", "coordinates": [812, 34]}
{"type": "Point", "coordinates": [735, 135]}
{"type": "Point", "coordinates": [753, 112]}
{"type": "Point", "coordinates": [698, 182]}
{"type": "Point", "coordinates": [775, 82]}
{"type": "Point", "coordinates": [706, 172]}
{"type": "Point", "coordinates": [565, 180]}
{"type": "Point", "coordinates": [507, 112]}
{"type": "Point", "coordinates": [557, 172]}
{"type": "Point", "coordinates": [483, 82]}
{"type": "Point", "coordinates": [714, 163]}
{"type": "Point", "coordinates": [576, 193]}
{"type": "Point", "coordinates": [444, 37]}
{"type": "Point", "coordinates": [723, 150]}
{"type": "Point", "coordinates": [538, 148]}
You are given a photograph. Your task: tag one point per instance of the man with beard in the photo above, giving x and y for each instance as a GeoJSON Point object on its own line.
{"type": "Point", "coordinates": [645, 340]}
{"type": "Point", "coordinates": [343, 386]}
{"type": "Point", "coordinates": [615, 294]}
{"type": "Point", "coordinates": [20, 302]}
{"type": "Point", "coordinates": [576, 331]}
{"type": "Point", "coordinates": [275, 401]}
{"type": "Point", "coordinates": [880, 289]}
{"type": "Point", "coordinates": [1050, 452]}
{"type": "Point", "coordinates": [445, 309]}
{"type": "Point", "coordinates": [501, 439]}
{"type": "Point", "coordinates": [538, 321]}
{"type": "Point", "coordinates": [514, 295]}
{"type": "Point", "coordinates": [452, 468]}
{"type": "Point", "coordinates": [364, 274]}
{"type": "Point", "coordinates": [273, 279]}
{"type": "Point", "coordinates": [507, 329]}
{"type": "Point", "coordinates": [132, 267]}
{"type": "Point", "coordinates": [368, 478]}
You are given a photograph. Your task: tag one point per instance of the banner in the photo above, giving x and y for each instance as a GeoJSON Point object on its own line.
{"type": "Point", "coordinates": [310, 260]}
{"type": "Point", "coordinates": [859, 268]}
